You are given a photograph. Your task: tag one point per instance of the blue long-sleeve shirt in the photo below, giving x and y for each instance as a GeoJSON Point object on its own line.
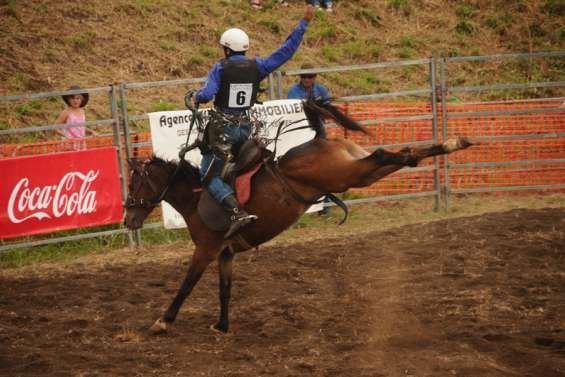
{"type": "Point", "coordinates": [298, 91]}
{"type": "Point", "coordinates": [265, 66]}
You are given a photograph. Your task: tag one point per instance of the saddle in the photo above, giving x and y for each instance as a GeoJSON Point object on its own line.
{"type": "Point", "coordinates": [238, 174]}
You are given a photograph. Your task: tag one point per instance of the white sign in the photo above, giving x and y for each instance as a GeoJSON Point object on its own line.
{"type": "Point", "coordinates": [170, 128]}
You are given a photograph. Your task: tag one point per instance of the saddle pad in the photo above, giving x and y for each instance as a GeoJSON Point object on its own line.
{"type": "Point", "coordinates": [212, 213]}
{"type": "Point", "coordinates": [243, 185]}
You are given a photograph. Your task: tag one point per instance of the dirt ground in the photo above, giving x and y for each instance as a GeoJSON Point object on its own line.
{"type": "Point", "coordinates": [474, 296]}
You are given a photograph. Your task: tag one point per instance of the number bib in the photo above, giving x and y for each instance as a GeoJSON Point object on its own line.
{"type": "Point", "coordinates": [240, 95]}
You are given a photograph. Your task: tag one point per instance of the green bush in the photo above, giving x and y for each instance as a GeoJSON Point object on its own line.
{"type": "Point", "coordinates": [208, 51]}
{"type": "Point", "coordinates": [464, 27]}
{"type": "Point", "coordinates": [559, 35]}
{"type": "Point", "coordinates": [554, 7]}
{"type": "Point", "coordinates": [327, 32]}
{"type": "Point", "coordinates": [83, 41]}
{"type": "Point", "coordinates": [536, 30]}
{"type": "Point", "coordinates": [27, 108]}
{"type": "Point", "coordinates": [408, 41]}
{"type": "Point", "coordinates": [362, 14]}
{"type": "Point", "coordinates": [355, 49]}
{"type": "Point", "coordinates": [465, 11]}
{"type": "Point", "coordinates": [375, 51]}
{"type": "Point", "coordinates": [331, 53]}
{"type": "Point", "coordinates": [168, 46]}
{"type": "Point", "coordinates": [196, 60]}
{"type": "Point", "coordinates": [271, 25]}
{"type": "Point", "coordinates": [401, 6]}
{"type": "Point", "coordinates": [491, 22]}
{"type": "Point", "coordinates": [405, 52]}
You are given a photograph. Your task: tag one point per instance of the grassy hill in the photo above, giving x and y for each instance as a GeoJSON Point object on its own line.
{"type": "Point", "coordinates": [51, 44]}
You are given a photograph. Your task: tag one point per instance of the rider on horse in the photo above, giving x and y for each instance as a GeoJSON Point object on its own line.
{"type": "Point", "coordinates": [233, 83]}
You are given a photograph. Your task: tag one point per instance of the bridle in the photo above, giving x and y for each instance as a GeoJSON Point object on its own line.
{"type": "Point", "coordinates": [132, 201]}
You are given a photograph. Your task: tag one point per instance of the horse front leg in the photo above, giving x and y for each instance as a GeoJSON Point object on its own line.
{"type": "Point", "coordinates": [225, 264]}
{"type": "Point", "coordinates": [200, 260]}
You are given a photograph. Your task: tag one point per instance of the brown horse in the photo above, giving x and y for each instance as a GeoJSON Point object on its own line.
{"type": "Point", "coordinates": [282, 192]}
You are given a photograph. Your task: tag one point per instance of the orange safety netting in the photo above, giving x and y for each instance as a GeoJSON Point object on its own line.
{"type": "Point", "coordinates": [410, 131]}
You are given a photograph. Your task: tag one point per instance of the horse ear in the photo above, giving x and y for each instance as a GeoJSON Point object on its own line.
{"type": "Point", "coordinates": [134, 164]}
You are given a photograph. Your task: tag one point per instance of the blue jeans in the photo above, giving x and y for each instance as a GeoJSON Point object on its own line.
{"type": "Point", "coordinates": [326, 3]}
{"type": "Point", "coordinates": [216, 185]}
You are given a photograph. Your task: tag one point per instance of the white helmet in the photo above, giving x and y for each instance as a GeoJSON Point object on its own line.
{"type": "Point", "coordinates": [235, 39]}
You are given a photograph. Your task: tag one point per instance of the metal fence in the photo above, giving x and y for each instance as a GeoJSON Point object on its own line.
{"type": "Point", "coordinates": [437, 176]}
{"type": "Point", "coordinates": [491, 136]}
{"type": "Point", "coordinates": [116, 141]}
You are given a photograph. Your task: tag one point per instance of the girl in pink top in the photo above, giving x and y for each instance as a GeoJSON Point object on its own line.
{"type": "Point", "coordinates": [74, 114]}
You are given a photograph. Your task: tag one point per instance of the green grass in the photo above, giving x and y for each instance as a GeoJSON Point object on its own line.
{"type": "Point", "coordinates": [363, 14]}
{"type": "Point", "coordinates": [271, 25]}
{"type": "Point", "coordinates": [71, 250]}
{"type": "Point", "coordinates": [168, 46]}
{"type": "Point", "coordinates": [403, 6]}
{"type": "Point", "coordinates": [164, 106]}
{"type": "Point", "coordinates": [28, 108]}
{"type": "Point", "coordinates": [554, 7]}
{"type": "Point", "coordinates": [363, 218]}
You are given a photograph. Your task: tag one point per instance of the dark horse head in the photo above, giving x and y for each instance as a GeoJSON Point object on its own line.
{"type": "Point", "coordinates": [281, 193]}
{"type": "Point", "coordinates": [150, 182]}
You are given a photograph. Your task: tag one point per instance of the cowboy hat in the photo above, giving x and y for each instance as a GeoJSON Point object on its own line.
{"type": "Point", "coordinates": [67, 97]}
{"type": "Point", "coordinates": [307, 66]}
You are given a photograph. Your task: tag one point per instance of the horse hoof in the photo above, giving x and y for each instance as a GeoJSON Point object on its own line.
{"type": "Point", "coordinates": [453, 145]}
{"type": "Point", "coordinates": [159, 327]}
{"type": "Point", "coordinates": [219, 328]}
{"type": "Point", "coordinates": [464, 142]}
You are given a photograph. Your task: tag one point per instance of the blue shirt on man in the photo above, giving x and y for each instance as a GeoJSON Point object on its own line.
{"type": "Point", "coordinates": [298, 91]}
{"type": "Point", "coordinates": [265, 66]}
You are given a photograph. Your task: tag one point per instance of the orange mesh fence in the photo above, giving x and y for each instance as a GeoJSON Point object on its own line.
{"type": "Point", "coordinates": [397, 132]}
{"type": "Point", "coordinates": [486, 126]}
{"type": "Point", "coordinates": [401, 132]}
{"type": "Point", "coordinates": [31, 149]}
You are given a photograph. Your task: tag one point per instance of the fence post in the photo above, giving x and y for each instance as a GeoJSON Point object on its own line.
{"type": "Point", "coordinates": [271, 88]}
{"type": "Point", "coordinates": [127, 138]}
{"type": "Point", "coordinates": [279, 85]}
{"type": "Point", "coordinates": [444, 130]}
{"type": "Point", "coordinates": [118, 145]}
{"type": "Point", "coordinates": [437, 187]}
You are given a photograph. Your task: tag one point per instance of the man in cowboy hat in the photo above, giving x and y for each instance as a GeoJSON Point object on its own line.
{"type": "Point", "coordinates": [308, 88]}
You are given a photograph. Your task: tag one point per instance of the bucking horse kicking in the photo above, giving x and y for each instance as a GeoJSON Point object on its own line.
{"type": "Point", "coordinates": [282, 190]}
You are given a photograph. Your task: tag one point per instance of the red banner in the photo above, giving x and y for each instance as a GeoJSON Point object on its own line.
{"type": "Point", "coordinates": [59, 191]}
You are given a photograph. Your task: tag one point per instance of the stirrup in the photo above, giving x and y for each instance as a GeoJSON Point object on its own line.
{"type": "Point", "coordinates": [238, 223]}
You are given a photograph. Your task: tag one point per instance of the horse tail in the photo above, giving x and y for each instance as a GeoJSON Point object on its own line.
{"type": "Point", "coordinates": [314, 109]}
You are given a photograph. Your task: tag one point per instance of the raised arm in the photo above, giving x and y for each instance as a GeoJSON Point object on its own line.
{"type": "Point", "coordinates": [289, 47]}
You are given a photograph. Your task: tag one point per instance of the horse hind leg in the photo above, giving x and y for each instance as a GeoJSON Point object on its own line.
{"type": "Point", "coordinates": [382, 163]}
{"type": "Point", "coordinates": [449, 146]}
{"type": "Point", "coordinates": [225, 263]}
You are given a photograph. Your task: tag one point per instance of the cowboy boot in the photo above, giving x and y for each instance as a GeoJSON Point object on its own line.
{"type": "Point", "coordinates": [239, 217]}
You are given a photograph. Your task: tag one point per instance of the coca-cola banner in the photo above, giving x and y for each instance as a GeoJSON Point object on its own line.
{"type": "Point", "coordinates": [58, 191]}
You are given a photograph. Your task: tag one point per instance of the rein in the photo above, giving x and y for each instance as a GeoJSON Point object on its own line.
{"type": "Point", "coordinates": [187, 148]}
{"type": "Point", "coordinates": [147, 203]}
{"type": "Point", "coordinates": [276, 173]}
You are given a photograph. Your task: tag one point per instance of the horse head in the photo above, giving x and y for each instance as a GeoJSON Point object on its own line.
{"type": "Point", "coordinates": [150, 182]}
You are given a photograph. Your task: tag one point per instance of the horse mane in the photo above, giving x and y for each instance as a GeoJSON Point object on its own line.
{"type": "Point", "coordinates": [315, 109]}
{"type": "Point", "coordinates": [187, 170]}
